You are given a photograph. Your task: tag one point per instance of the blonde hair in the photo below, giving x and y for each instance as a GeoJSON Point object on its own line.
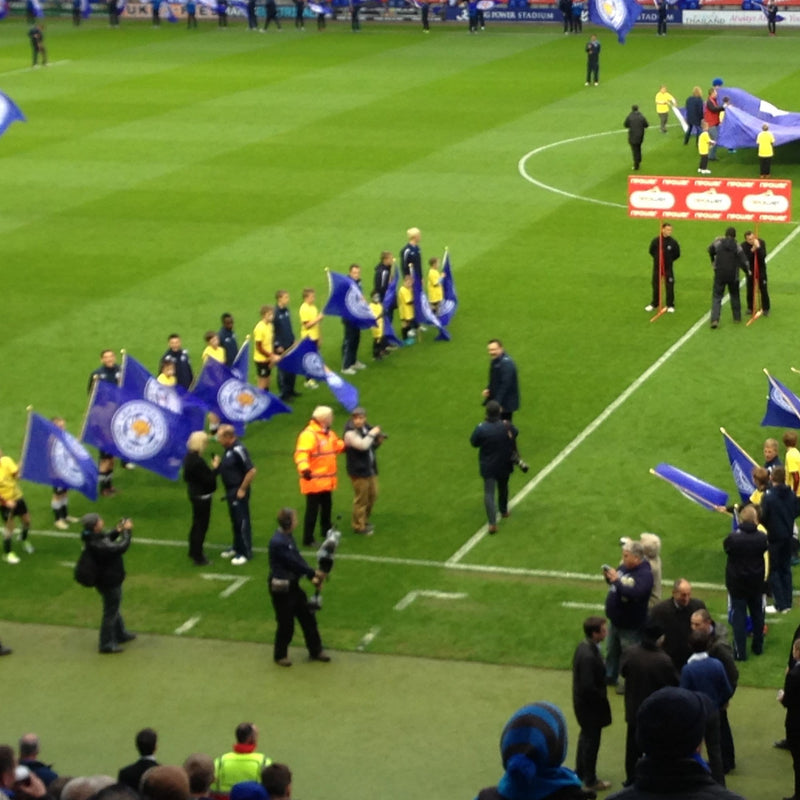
{"type": "Point", "coordinates": [321, 413]}
{"type": "Point", "coordinates": [413, 233]}
{"type": "Point", "coordinates": [197, 441]}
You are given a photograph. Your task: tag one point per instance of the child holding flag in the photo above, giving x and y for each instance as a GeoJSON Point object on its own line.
{"type": "Point", "coordinates": [12, 504]}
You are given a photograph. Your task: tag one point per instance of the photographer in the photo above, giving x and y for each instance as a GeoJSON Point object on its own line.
{"type": "Point", "coordinates": [360, 442]}
{"type": "Point", "coordinates": [286, 567]}
{"type": "Point", "coordinates": [106, 548]}
{"type": "Point", "coordinates": [497, 442]}
{"type": "Point", "coordinates": [18, 781]}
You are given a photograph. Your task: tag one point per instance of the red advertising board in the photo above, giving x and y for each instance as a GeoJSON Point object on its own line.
{"type": "Point", "coordinates": [734, 199]}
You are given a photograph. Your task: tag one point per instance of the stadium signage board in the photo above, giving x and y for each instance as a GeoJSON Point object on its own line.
{"type": "Point", "coordinates": [733, 199]}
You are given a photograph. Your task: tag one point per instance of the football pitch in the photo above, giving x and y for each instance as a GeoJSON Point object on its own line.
{"type": "Point", "coordinates": [166, 176]}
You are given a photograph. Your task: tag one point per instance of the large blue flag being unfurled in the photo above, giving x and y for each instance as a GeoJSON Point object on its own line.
{"type": "Point", "coordinates": [741, 467]}
{"type": "Point", "coordinates": [139, 382]}
{"type": "Point", "coordinates": [347, 301]}
{"type": "Point", "coordinates": [304, 359]}
{"type": "Point", "coordinates": [233, 400]}
{"type": "Point", "coordinates": [54, 457]}
{"type": "Point", "coordinates": [9, 112]}
{"type": "Point", "coordinates": [448, 307]}
{"type": "Point", "coordinates": [129, 427]}
{"type": "Point", "coordinates": [783, 406]}
{"type": "Point", "coordinates": [619, 15]}
{"type": "Point", "coordinates": [746, 114]}
{"type": "Point", "coordinates": [700, 492]}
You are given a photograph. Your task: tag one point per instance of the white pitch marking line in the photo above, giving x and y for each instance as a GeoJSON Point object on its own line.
{"type": "Point", "coordinates": [587, 606]}
{"type": "Point", "coordinates": [188, 625]}
{"type": "Point", "coordinates": [368, 638]}
{"type": "Point", "coordinates": [31, 69]}
{"type": "Point", "coordinates": [601, 418]}
{"type": "Point", "coordinates": [237, 581]}
{"type": "Point", "coordinates": [412, 596]}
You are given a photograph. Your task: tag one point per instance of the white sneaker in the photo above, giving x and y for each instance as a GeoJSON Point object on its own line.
{"type": "Point", "coordinates": [72, 519]}
{"type": "Point", "coordinates": [28, 547]}
{"type": "Point", "coordinates": [130, 465]}
{"type": "Point", "coordinates": [11, 558]}
{"type": "Point", "coordinates": [649, 307]}
{"type": "Point", "coordinates": [311, 384]}
{"type": "Point", "coordinates": [349, 371]}
{"type": "Point", "coordinates": [771, 610]}
{"type": "Point", "coordinates": [359, 365]}
{"type": "Point", "coordinates": [670, 309]}
{"type": "Point", "coordinates": [61, 524]}
{"type": "Point", "coordinates": [229, 553]}
{"type": "Point", "coordinates": [238, 561]}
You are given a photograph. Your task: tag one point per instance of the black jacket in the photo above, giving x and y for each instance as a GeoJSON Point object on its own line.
{"type": "Point", "coordinates": [636, 124]}
{"type": "Point", "coordinates": [201, 479]}
{"type": "Point", "coordinates": [589, 698]}
{"type": "Point", "coordinates": [646, 669]}
{"type": "Point", "coordinates": [107, 548]}
{"type": "Point", "coordinates": [503, 386]}
{"type": "Point", "coordinates": [497, 441]}
{"type": "Point", "coordinates": [744, 573]}
{"type": "Point", "coordinates": [727, 257]}
{"type": "Point", "coordinates": [778, 512]}
{"type": "Point", "coordinates": [681, 779]}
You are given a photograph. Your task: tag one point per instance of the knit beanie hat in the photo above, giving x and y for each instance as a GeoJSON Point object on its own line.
{"type": "Point", "coordinates": [249, 790]}
{"type": "Point", "coordinates": [671, 723]}
{"type": "Point", "coordinates": [533, 746]}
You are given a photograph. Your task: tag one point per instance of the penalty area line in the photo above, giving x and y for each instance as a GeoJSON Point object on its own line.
{"type": "Point", "coordinates": [34, 69]}
{"type": "Point", "coordinates": [600, 419]}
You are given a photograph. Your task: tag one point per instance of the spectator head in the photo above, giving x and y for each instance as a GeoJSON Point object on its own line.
{"type": "Point", "coordinates": [699, 640]}
{"type": "Point", "coordinates": [323, 415]}
{"type": "Point", "coordinates": [634, 107]}
{"type": "Point", "coordinates": [681, 592]}
{"type": "Point", "coordinates": [200, 769]}
{"type": "Point", "coordinates": [277, 780]}
{"type": "Point", "coordinates": [287, 519]}
{"type": "Point", "coordinates": [165, 783]}
{"type": "Point", "coordinates": [730, 232]}
{"type": "Point", "coordinates": [671, 723]}
{"type": "Point", "coordinates": [227, 321]}
{"type": "Point", "coordinates": [778, 476]}
{"type": "Point", "coordinates": [92, 522]}
{"type": "Point", "coordinates": [85, 787]}
{"type": "Point", "coordinates": [632, 554]}
{"type": "Point", "coordinates": [533, 746]}
{"type": "Point", "coordinates": [701, 621]}
{"type": "Point", "coordinates": [198, 440]}
{"type": "Point", "coordinates": [248, 790]}
{"type": "Point", "coordinates": [226, 435]}
{"type": "Point", "coordinates": [117, 791]}
{"type": "Point", "coordinates": [146, 741]}
{"type": "Point", "coordinates": [246, 733]}
{"type": "Point", "coordinates": [28, 746]}
{"type": "Point", "coordinates": [8, 762]}
{"type": "Point", "coordinates": [595, 628]}
{"type": "Point", "coordinates": [493, 411]}
{"type": "Point", "coordinates": [56, 787]}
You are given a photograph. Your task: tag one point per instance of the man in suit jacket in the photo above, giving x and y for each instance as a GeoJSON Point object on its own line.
{"type": "Point", "coordinates": [131, 775]}
{"type": "Point", "coordinates": [590, 701]}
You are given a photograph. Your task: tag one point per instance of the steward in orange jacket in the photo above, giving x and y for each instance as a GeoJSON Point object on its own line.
{"type": "Point", "coordinates": [315, 457]}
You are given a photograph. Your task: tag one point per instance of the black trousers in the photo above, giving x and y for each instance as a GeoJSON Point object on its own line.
{"type": "Point", "coordinates": [201, 516]}
{"type": "Point", "coordinates": [286, 380]}
{"type": "Point", "coordinates": [112, 626]}
{"type": "Point", "coordinates": [317, 504]}
{"type": "Point", "coordinates": [290, 606]}
{"type": "Point", "coordinates": [239, 510]}
{"type": "Point", "coordinates": [762, 287]}
{"type": "Point", "coordinates": [632, 753]}
{"type": "Point", "coordinates": [636, 151]}
{"type": "Point", "coordinates": [669, 280]}
{"type": "Point", "coordinates": [586, 755]}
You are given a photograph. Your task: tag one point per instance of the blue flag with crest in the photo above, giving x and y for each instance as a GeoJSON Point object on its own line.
{"type": "Point", "coordinates": [741, 467]}
{"type": "Point", "coordinates": [124, 424]}
{"type": "Point", "coordinates": [303, 358]}
{"type": "Point", "coordinates": [54, 457]}
{"type": "Point", "coordinates": [425, 316]}
{"type": "Point", "coordinates": [347, 301]}
{"type": "Point", "coordinates": [619, 15]}
{"type": "Point", "coordinates": [700, 492]}
{"type": "Point", "coordinates": [783, 406]}
{"type": "Point", "coordinates": [448, 307]}
{"type": "Point", "coordinates": [9, 111]}
{"type": "Point", "coordinates": [389, 304]}
{"type": "Point", "coordinates": [234, 400]}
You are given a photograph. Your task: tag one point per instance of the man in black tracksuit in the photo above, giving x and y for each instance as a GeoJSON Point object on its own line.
{"type": "Point", "coordinates": [636, 124]}
{"type": "Point", "coordinates": [727, 258]}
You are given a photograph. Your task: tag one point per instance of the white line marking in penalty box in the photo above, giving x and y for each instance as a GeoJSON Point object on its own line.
{"type": "Point", "coordinates": [412, 596]}
{"type": "Point", "coordinates": [602, 417]}
{"type": "Point", "coordinates": [586, 606]}
{"type": "Point", "coordinates": [32, 69]}
{"type": "Point", "coordinates": [237, 581]}
{"type": "Point", "coordinates": [368, 638]}
{"type": "Point", "coordinates": [188, 625]}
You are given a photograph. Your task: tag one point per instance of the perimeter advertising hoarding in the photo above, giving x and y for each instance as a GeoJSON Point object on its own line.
{"type": "Point", "coordinates": [734, 199]}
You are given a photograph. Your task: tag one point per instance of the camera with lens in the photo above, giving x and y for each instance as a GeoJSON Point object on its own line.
{"type": "Point", "coordinates": [325, 556]}
{"type": "Point", "coordinates": [518, 462]}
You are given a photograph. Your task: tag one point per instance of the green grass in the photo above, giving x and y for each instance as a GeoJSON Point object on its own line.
{"type": "Point", "coordinates": [166, 176]}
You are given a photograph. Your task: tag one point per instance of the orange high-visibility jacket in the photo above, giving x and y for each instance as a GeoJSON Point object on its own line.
{"type": "Point", "coordinates": [317, 450]}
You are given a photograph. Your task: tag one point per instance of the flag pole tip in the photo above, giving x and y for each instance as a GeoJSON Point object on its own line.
{"type": "Point", "coordinates": [29, 408]}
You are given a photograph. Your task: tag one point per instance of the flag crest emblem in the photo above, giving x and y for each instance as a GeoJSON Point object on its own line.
{"type": "Point", "coordinates": [313, 365]}
{"type": "Point", "coordinates": [238, 401]}
{"type": "Point", "coordinates": [139, 429]}
{"type": "Point", "coordinates": [65, 465]}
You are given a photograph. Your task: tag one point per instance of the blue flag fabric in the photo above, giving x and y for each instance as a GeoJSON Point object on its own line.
{"type": "Point", "coordinates": [86, 9]}
{"type": "Point", "coordinates": [241, 364]}
{"type": "Point", "coordinates": [3, 8]}
{"type": "Point", "coordinates": [36, 6]}
{"type": "Point", "coordinates": [700, 492]}
{"type": "Point", "coordinates": [347, 301]}
{"type": "Point", "coordinates": [448, 307]}
{"type": "Point", "coordinates": [389, 304]}
{"type": "Point", "coordinates": [619, 15]}
{"type": "Point", "coordinates": [747, 113]}
{"type": "Point", "coordinates": [783, 406]}
{"type": "Point", "coordinates": [425, 316]}
{"type": "Point", "coordinates": [741, 467]}
{"type": "Point", "coordinates": [54, 457]}
{"type": "Point", "coordinates": [304, 359]}
{"type": "Point", "coordinates": [233, 400]}
{"type": "Point", "coordinates": [129, 427]}
{"type": "Point", "coordinates": [170, 13]}
{"type": "Point", "coordinates": [9, 112]}
{"type": "Point", "coordinates": [762, 6]}
{"type": "Point", "coordinates": [139, 382]}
